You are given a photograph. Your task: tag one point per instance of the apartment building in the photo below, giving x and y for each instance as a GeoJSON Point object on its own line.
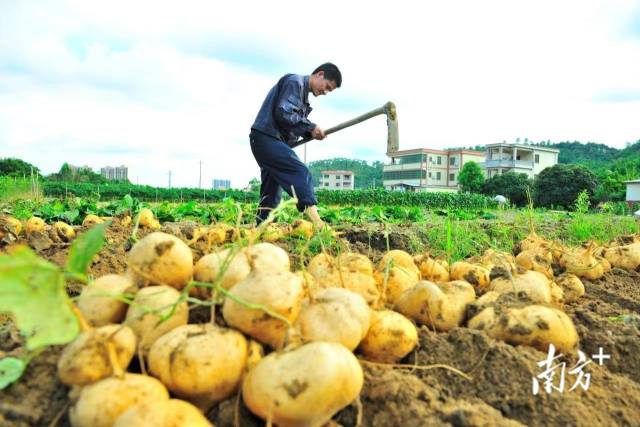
{"type": "Point", "coordinates": [337, 180]}
{"type": "Point", "coordinates": [425, 169]}
{"type": "Point", "coordinates": [118, 172]}
{"type": "Point", "coordinates": [221, 184]}
{"type": "Point", "coordinates": [519, 158]}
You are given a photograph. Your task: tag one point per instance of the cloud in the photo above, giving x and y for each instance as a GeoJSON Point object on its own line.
{"type": "Point", "coordinates": [161, 87]}
{"type": "Point", "coordinates": [619, 95]}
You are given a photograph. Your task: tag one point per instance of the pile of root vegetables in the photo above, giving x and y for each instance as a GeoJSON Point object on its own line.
{"type": "Point", "coordinates": [292, 343]}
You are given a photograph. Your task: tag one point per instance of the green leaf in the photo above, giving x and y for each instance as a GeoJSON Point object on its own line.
{"type": "Point", "coordinates": [11, 369]}
{"type": "Point", "coordinates": [33, 290]}
{"type": "Point", "coordinates": [84, 249]}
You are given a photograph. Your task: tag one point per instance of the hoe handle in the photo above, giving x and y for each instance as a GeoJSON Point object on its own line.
{"type": "Point", "coordinates": [359, 119]}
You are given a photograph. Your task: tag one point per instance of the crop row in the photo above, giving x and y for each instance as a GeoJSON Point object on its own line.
{"type": "Point", "coordinates": [356, 197]}
{"type": "Point", "coordinates": [73, 210]}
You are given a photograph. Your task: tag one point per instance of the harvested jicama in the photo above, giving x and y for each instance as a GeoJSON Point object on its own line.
{"type": "Point", "coordinates": [199, 363]}
{"type": "Point", "coordinates": [155, 311]}
{"type": "Point", "coordinates": [571, 285]}
{"type": "Point", "coordinates": [101, 403]}
{"type": "Point", "coordinates": [280, 292]}
{"type": "Point", "coordinates": [336, 315]}
{"type": "Point", "coordinates": [431, 269]}
{"type": "Point", "coordinates": [166, 413]}
{"type": "Point", "coordinates": [391, 337]}
{"type": "Point", "coordinates": [533, 325]}
{"type": "Point", "coordinates": [538, 259]}
{"type": "Point", "coordinates": [103, 300]}
{"type": "Point", "coordinates": [86, 359]}
{"type": "Point", "coordinates": [161, 259]}
{"type": "Point", "coordinates": [440, 305]}
{"type": "Point", "coordinates": [537, 287]}
{"type": "Point", "coordinates": [304, 386]}
{"type": "Point", "coordinates": [475, 274]}
{"type": "Point", "coordinates": [35, 224]}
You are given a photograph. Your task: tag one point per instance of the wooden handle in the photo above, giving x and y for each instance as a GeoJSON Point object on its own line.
{"type": "Point", "coordinates": [387, 108]}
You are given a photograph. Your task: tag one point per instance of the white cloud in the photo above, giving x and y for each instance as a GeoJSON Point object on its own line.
{"type": "Point", "coordinates": [160, 87]}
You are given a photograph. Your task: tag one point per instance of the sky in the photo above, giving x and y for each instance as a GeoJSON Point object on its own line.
{"type": "Point", "coordinates": [167, 86]}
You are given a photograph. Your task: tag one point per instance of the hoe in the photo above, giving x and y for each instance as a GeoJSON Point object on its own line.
{"type": "Point", "coordinates": [389, 109]}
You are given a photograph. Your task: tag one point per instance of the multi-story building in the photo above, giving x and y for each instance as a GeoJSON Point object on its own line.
{"type": "Point", "coordinates": [519, 158]}
{"type": "Point", "coordinates": [115, 173]}
{"type": "Point", "coordinates": [337, 180]}
{"type": "Point", "coordinates": [425, 169]}
{"type": "Point", "coordinates": [221, 184]}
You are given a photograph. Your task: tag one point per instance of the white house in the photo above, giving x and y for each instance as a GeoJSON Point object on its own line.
{"type": "Point", "coordinates": [337, 180]}
{"type": "Point", "coordinates": [519, 158]}
{"type": "Point", "coordinates": [633, 191]}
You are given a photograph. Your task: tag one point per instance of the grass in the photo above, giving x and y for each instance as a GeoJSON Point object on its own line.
{"type": "Point", "coordinates": [13, 188]}
{"type": "Point", "coordinates": [454, 240]}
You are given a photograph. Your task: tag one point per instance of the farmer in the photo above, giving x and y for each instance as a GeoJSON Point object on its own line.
{"type": "Point", "coordinates": [282, 119]}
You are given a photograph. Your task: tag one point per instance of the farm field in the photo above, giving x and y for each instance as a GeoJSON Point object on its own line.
{"type": "Point", "coordinates": [457, 365]}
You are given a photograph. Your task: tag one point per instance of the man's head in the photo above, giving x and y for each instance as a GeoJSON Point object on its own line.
{"type": "Point", "coordinates": [324, 79]}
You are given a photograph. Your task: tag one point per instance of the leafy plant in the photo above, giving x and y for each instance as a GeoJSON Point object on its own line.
{"type": "Point", "coordinates": [32, 291]}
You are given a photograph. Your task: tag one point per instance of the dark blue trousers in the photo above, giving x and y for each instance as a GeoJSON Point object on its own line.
{"type": "Point", "coordinates": [280, 168]}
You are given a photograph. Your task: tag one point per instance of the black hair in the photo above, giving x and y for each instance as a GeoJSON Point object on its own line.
{"type": "Point", "coordinates": [331, 72]}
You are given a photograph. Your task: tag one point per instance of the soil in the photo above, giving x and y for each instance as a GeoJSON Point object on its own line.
{"type": "Point", "coordinates": [499, 393]}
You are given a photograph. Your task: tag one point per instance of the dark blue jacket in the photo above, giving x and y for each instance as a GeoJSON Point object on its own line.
{"type": "Point", "coordinates": [284, 112]}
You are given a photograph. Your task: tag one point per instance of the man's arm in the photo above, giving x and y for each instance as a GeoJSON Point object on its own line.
{"type": "Point", "coordinates": [289, 112]}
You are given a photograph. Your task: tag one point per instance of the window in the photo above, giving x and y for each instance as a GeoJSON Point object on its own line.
{"type": "Point", "coordinates": [537, 158]}
{"type": "Point", "coordinates": [326, 184]}
{"type": "Point", "coordinates": [326, 176]}
{"type": "Point", "coordinates": [452, 177]}
{"type": "Point", "coordinates": [347, 177]}
{"type": "Point", "coordinates": [438, 176]}
{"type": "Point", "coordinates": [337, 184]}
{"type": "Point", "coordinates": [411, 174]}
{"type": "Point", "coordinates": [439, 160]}
{"type": "Point", "coordinates": [337, 177]}
{"type": "Point", "coordinates": [429, 174]}
{"type": "Point", "coordinates": [414, 158]}
{"type": "Point", "coordinates": [452, 161]}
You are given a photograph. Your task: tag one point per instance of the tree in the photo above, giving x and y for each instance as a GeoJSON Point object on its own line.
{"type": "Point", "coordinates": [254, 184]}
{"type": "Point", "coordinates": [16, 167]}
{"type": "Point", "coordinates": [560, 185]}
{"type": "Point", "coordinates": [66, 174]}
{"type": "Point", "coordinates": [471, 178]}
{"type": "Point", "coordinates": [511, 185]}
{"type": "Point", "coordinates": [69, 174]}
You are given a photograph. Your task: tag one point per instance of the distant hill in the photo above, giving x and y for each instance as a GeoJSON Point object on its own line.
{"type": "Point", "coordinates": [589, 154]}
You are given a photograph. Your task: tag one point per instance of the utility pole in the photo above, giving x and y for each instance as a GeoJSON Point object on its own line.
{"type": "Point", "coordinates": [169, 179]}
{"type": "Point", "coordinates": [200, 178]}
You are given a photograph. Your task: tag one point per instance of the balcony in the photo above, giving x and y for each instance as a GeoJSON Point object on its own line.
{"type": "Point", "coordinates": [402, 167]}
{"type": "Point", "coordinates": [508, 163]}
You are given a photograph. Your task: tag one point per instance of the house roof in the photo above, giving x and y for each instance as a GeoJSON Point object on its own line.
{"type": "Point", "coordinates": [337, 172]}
{"type": "Point", "coordinates": [524, 146]}
{"type": "Point", "coordinates": [635, 181]}
{"type": "Point", "coordinates": [401, 153]}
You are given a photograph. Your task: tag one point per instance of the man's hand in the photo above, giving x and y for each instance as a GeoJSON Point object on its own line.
{"type": "Point", "coordinates": [317, 133]}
